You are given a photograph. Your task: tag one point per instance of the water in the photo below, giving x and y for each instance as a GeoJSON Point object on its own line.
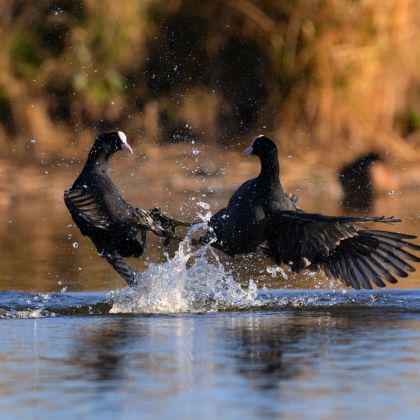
{"type": "Point", "coordinates": [297, 354]}
{"type": "Point", "coordinates": [193, 280]}
{"type": "Point", "coordinates": [190, 342]}
{"type": "Point", "coordinates": [202, 335]}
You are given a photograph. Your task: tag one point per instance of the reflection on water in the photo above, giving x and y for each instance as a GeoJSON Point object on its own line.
{"type": "Point", "coordinates": [98, 354]}
{"type": "Point", "coordinates": [261, 350]}
{"type": "Point", "coordinates": [253, 364]}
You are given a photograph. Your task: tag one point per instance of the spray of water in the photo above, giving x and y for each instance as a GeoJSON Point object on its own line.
{"type": "Point", "coordinates": [192, 281]}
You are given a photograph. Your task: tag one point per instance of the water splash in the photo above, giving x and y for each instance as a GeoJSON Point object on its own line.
{"type": "Point", "coordinates": [30, 313]}
{"type": "Point", "coordinates": [192, 281]}
{"type": "Point", "coordinates": [346, 302]}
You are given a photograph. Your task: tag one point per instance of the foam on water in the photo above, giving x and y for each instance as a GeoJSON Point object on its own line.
{"type": "Point", "coordinates": [192, 281]}
{"type": "Point", "coordinates": [30, 313]}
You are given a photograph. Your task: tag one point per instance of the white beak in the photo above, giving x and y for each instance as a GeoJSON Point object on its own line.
{"type": "Point", "coordinates": [127, 148]}
{"type": "Point", "coordinates": [124, 145]}
{"type": "Point", "coordinates": [248, 151]}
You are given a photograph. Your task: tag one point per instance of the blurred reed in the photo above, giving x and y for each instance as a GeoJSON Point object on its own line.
{"type": "Point", "coordinates": [318, 74]}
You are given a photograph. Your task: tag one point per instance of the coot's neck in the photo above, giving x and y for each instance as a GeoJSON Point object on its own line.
{"type": "Point", "coordinates": [270, 169]}
{"type": "Point", "coordinates": [98, 160]}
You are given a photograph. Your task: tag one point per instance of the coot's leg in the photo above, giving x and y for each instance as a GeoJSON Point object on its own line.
{"type": "Point", "coordinates": [120, 266]}
{"type": "Point", "coordinates": [167, 221]}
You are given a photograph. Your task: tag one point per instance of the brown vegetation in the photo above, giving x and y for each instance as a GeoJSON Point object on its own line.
{"type": "Point", "coordinates": [315, 74]}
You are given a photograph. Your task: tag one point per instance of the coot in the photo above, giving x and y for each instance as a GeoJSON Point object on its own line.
{"type": "Point", "coordinates": [357, 183]}
{"type": "Point", "coordinates": [117, 229]}
{"type": "Point", "coordinates": [260, 215]}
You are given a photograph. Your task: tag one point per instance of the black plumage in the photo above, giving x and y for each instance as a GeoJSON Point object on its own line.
{"type": "Point", "coordinates": [117, 229]}
{"type": "Point", "coordinates": [260, 215]}
{"type": "Point", "coordinates": [357, 183]}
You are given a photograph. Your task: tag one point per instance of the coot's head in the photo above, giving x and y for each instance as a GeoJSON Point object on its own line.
{"type": "Point", "coordinates": [373, 157]}
{"type": "Point", "coordinates": [106, 144]}
{"type": "Point", "coordinates": [367, 160]}
{"type": "Point", "coordinates": [262, 147]}
{"type": "Point", "coordinates": [359, 167]}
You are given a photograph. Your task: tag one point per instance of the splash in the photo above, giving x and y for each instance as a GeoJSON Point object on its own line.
{"type": "Point", "coordinates": [30, 313]}
{"type": "Point", "coordinates": [192, 281]}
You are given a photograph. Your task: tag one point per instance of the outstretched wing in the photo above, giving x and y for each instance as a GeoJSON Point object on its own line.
{"type": "Point", "coordinates": [86, 209]}
{"type": "Point", "coordinates": [341, 246]}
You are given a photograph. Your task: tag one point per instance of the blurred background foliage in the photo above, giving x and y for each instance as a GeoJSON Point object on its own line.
{"type": "Point", "coordinates": [313, 73]}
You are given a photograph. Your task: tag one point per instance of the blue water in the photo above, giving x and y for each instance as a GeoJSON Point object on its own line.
{"type": "Point", "coordinates": [291, 354]}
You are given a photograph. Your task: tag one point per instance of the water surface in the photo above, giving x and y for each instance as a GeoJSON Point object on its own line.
{"type": "Point", "coordinates": [292, 354]}
{"type": "Point", "coordinates": [200, 338]}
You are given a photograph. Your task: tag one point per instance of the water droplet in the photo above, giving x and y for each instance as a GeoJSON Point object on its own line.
{"type": "Point", "coordinates": [392, 192]}
{"type": "Point", "coordinates": [69, 236]}
{"type": "Point", "coordinates": [75, 245]}
{"type": "Point", "coordinates": [33, 141]}
{"type": "Point", "coordinates": [203, 205]}
{"type": "Point", "coordinates": [195, 152]}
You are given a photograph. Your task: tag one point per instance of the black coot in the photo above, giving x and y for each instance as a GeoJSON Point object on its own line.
{"type": "Point", "coordinates": [261, 215]}
{"type": "Point", "coordinates": [357, 183]}
{"type": "Point", "coordinates": [117, 229]}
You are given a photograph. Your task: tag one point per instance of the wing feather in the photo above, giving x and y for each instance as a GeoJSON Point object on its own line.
{"type": "Point", "coordinates": [341, 246]}
{"type": "Point", "coordinates": [84, 206]}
